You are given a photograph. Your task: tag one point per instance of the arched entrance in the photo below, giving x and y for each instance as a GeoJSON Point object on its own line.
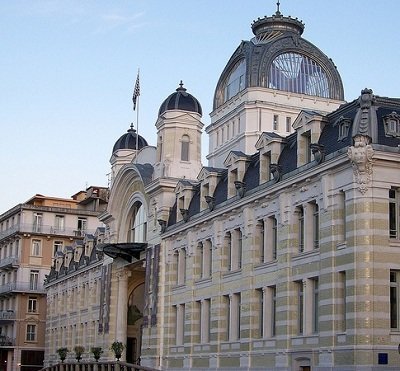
{"type": "Point", "coordinates": [135, 320]}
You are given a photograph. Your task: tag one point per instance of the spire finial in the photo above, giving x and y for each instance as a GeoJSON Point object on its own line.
{"type": "Point", "coordinates": [181, 88]}
{"type": "Point", "coordinates": [277, 7]}
{"type": "Point", "coordinates": [131, 128]}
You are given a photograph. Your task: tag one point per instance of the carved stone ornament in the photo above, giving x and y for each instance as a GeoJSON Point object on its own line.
{"type": "Point", "coordinates": [360, 156]}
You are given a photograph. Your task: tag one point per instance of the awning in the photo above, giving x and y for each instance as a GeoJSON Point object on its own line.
{"type": "Point", "coordinates": [126, 251]}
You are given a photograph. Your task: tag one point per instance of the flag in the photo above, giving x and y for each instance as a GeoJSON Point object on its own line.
{"type": "Point", "coordinates": [136, 91]}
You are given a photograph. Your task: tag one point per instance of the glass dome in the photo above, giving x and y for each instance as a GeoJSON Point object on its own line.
{"type": "Point", "coordinates": [296, 73]}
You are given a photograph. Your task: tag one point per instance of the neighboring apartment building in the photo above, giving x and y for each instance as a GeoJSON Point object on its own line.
{"type": "Point", "coordinates": [31, 234]}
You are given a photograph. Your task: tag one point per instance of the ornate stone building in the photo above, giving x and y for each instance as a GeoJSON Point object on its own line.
{"type": "Point", "coordinates": [281, 254]}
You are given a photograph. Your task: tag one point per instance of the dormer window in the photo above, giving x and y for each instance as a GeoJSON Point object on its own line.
{"type": "Point", "coordinates": [343, 124]}
{"type": "Point", "coordinates": [392, 124]}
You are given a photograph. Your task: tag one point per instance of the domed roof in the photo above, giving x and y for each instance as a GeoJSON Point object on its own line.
{"type": "Point", "coordinates": [279, 58]}
{"type": "Point", "coordinates": [130, 140]}
{"type": "Point", "coordinates": [181, 100]}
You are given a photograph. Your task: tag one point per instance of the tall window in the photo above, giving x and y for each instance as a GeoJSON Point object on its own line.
{"type": "Point", "coordinates": [300, 222]}
{"type": "Point", "coordinates": [205, 320]}
{"type": "Point", "coordinates": [185, 141]}
{"type": "Point", "coordinates": [180, 324]}
{"type": "Point", "coordinates": [206, 260]}
{"type": "Point", "coordinates": [306, 139]}
{"type": "Point", "coordinates": [30, 332]}
{"type": "Point", "coordinates": [235, 81]}
{"type": "Point", "coordinates": [342, 295]}
{"type": "Point", "coordinates": [315, 225]}
{"type": "Point", "coordinates": [275, 125]}
{"type": "Point", "coordinates": [32, 304]}
{"type": "Point", "coordinates": [138, 230]}
{"type": "Point", "coordinates": [260, 235]}
{"type": "Point", "coordinates": [288, 124]}
{"type": "Point", "coordinates": [394, 224]}
{"type": "Point", "coordinates": [228, 249]}
{"type": "Point", "coordinates": [181, 274]}
{"type": "Point", "coordinates": [37, 222]}
{"type": "Point", "coordinates": [261, 309]}
{"type": "Point", "coordinates": [300, 307]}
{"type": "Point", "coordinates": [82, 224]}
{"type": "Point", "coordinates": [36, 247]}
{"type": "Point", "coordinates": [33, 280]}
{"type": "Point", "coordinates": [272, 292]}
{"type": "Point", "coordinates": [315, 313]}
{"type": "Point", "coordinates": [57, 246]}
{"type": "Point", "coordinates": [394, 299]}
{"type": "Point", "coordinates": [234, 316]}
{"type": "Point", "coordinates": [59, 224]}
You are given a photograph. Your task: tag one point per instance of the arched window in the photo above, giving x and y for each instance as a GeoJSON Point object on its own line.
{"type": "Point", "coordinates": [138, 224]}
{"type": "Point", "coordinates": [235, 82]}
{"type": "Point", "coordinates": [298, 74]}
{"type": "Point", "coordinates": [185, 148]}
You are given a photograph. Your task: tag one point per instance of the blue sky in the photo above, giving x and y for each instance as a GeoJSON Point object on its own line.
{"type": "Point", "coordinates": [68, 68]}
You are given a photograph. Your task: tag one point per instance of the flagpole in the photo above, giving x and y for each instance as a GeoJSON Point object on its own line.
{"type": "Point", "coordinates": [136, 95]}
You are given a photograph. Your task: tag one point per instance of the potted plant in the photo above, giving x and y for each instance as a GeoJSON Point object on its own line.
{"type": "Point", "coordinates": [97, 351]}
{"type": "Point", "coordinates": [117, 347]}
{"type": "Point", "coordinates": [79, 349]}
{"type": "Point", "coordinates": [62, 353]}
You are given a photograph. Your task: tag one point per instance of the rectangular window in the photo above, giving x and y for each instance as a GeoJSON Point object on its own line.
{"type": "Point", "coordinates": [235, 316]}
{"type": "Point", "coordinates": [276, 122]}
{"type": "Point", "coordinates": [33, 280]}
{"type": "Point", "coordinates": [307, 146]}
{"type": "Point", "coordinates": [205, 321]}
{"type": "Point", "coordinates": [181, 266]}
{"type": "Point", "coordinates": [180, 323]}
{"type": "Point", "coordinates": [394, 225]}
{"type": "Point", "coordinates": [300, 221]}
{"type": "Point", "coordinates": [288, 124]}
{"type": "Point", "coordinates": [261, 314]}
{"type": "Point", "coordinates": [315, 304]}
{"type": "Point", "coordinates": [315, 225]}
{"type": "Point", "coordinates": [30, 332]}
{"type": "Point", "coordinates": [32, 304]}
{"type": "Point", "coordinates": [272, 290]}
{"type": "Point", "coordinates": [59, 225]}
{"type": "Point", "coordinates": [82, 225]}
{"type": "Point", "coordinates": [300, 304]}
{"type": "Point", "coordinates": [394, 299]}
{"type": "Point", "coordinates": [342, 295]}
{"type": "Point", "coordinates": [36, 247]}
{"type": "Point", "coordinates": [57, 246]}
{"type": "Point", "coordinates": [260, 230]}
{"type": "Point", "coordinates": [37, 222]}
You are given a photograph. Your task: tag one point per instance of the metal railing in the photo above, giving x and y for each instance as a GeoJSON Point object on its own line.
{"type": "Point", "coordinates": [44, 229]}
{"type": "Point", "coordinates": [97, 366]}
{"type": "Point", "coordinates": [6, 341]}
{"type": "Point", "coordinates": [7, 314]}
{"type": "Point", "coordinates": [22, 287]}
{"type": "Point", "coordinates": [11, 260]}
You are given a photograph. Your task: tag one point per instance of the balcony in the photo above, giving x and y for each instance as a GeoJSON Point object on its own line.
{"type": "Point", "coordinates": [22, 287]}
{"type": "Point", "coordinates": [7, 316]}
{"type": "Point", "coordinates": [97, 366]}
{"type": "Point", "coordinates": [6, 341]}
{"type": "Point", "coordinates": [48, 230]}
{"type": "Point", "coordinates": [9, 262]}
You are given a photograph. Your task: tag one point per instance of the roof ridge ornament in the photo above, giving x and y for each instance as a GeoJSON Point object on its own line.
{"type": "Point", "coordinates": [277, 8]}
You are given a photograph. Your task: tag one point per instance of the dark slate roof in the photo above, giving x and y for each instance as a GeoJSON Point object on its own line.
{"type": "Point", "coordinates": [181, 100]}
{"type": "Point", "coordinates": [288, 158]}
{"type": "Point", "coordinates": [252, 176]}
{"type": "Point", "coordinates": [194, 206]}
{"type": "Point", "coordinates": [129, 141]}
{"type": "Point", "coordinates": [383, 139]}
{"type": "Point", "coordinates": [214, 169]}
{"type": "Point", "coordinates": [146, 172]}
{"type": "Point", "coordinates": [172, 214]}
{"type": "Point", "coordinates": [221, 190]}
